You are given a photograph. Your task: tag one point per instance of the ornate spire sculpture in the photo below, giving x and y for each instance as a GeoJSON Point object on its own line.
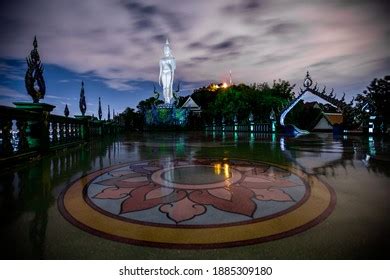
{"type": "Point", "coordinates": [35, 84]}
{"type": "Point", "coordinates": [66, 111]}
{"type": "Point", "coordinates": [250, 117]}
{"type": "Point", "coordinates": [108, 114]}
{"type": "Point", "coordinates": [100, 110]}
{"type": "Point", "coordinates": [272, 115]}
{"type": "Point", "coordinates": [82, 104]}
{"type": "Point", "coordinates": [308, 81]}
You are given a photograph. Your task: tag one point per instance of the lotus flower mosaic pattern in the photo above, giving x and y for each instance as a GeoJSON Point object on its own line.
{"type": "Point", "coordinates": [201, 192]}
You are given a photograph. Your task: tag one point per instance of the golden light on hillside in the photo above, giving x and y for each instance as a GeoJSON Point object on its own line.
{"type": "Point", "coordinates": [214, 87]}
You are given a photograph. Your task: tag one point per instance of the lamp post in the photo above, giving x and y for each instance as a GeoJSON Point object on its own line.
{"type": "Point", "coordinates": [273, 121]}
{"type": "Point", "coordinates": [235, 123]}
{"type": "Point", "coordinates": [251, 123]}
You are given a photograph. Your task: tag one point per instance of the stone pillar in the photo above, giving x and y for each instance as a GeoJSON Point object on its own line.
{"type": "Point", "coordinates": [39, 136]}
{"type": "Point", "coordinates": [23, 142]}
{"type": "Point", "coordinates": [6, 126]}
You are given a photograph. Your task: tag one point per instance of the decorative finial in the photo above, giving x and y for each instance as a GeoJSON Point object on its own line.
{"type": "Point", "coordinates": [34, 82]}
{"type": "Point", "coordinates": [308, 81]}
{"type": "Point", "coordinates": [100, 110]}
{"type": "Point", "coordinates": [66, 111]}
{"type": "Point", "coordinates": [250, 118]}
{"type": "Point", "coordinates": [35, 42]}
{"type": "Point", "coordinates": [272, 115]}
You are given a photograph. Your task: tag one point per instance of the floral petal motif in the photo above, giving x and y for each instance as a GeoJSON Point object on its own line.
{"type": "Point", "coordinates": [112, 181]}
{"type": "Point", "coordinates": [254, 185]}
{"type": "Point", "coordinates": [136, 179]}
{"type": "Point", "coordinates": [272, 194]}
{"type": "Point", "coordinates": [138, 201]}
{"type": "Point", "coordinates": [265, 182]}
{"type": "Point", "coordinates": [113, 193]}
{"type": "Point", "coordinates": [283, 183]}
{"type": "Point", "coordinates": [125, 184]}
{"type": "Point", "coordinates": [182, 210]}
{"type": "Point", "coordinates": [221, 193]}
{"type": "Point", "coordinates": [159, 192]}
{"type": "Point", "coordinates": [240, 203]}
{"type": "Point", "coordinates": [257, 179]}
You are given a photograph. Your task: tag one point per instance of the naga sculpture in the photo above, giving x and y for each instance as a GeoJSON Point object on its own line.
{"type": "Point", "coordinates": [82, 103]}
{"type": "Point", "coordinates": [35, 84]}
{"type": "Point", "coordinates": [156, 93]}
{"type": "Point", "coordinates": [100, 110]}
{"type": "Point", "coordinates": [175, 94]}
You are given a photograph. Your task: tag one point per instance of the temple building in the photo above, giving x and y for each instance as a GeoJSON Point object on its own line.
{"type": "Point", "coordinates": [192, 106]}
{"type": "Point", "coordinates": [327, 121]}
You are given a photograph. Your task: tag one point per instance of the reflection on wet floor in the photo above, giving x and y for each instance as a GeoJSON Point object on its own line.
{"type": "Point", "coordinates": [357, 168]}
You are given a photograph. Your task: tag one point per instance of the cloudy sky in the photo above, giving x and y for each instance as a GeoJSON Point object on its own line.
{"type": "Point", "coordinates": [115, 45]}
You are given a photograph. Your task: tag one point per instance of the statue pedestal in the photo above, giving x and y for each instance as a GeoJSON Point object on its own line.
{"type": "Point", "coordinates": [38, 136]}
{"type": "Point", "coordinates": [166, 106]}
{"type": "Point", "coordinates": [166, 116]}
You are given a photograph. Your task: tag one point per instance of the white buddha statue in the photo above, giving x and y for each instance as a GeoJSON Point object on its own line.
{"type": "Point", "coordinates": [167, 72]}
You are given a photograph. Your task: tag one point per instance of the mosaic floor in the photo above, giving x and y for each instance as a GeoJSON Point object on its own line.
{"type": "Point", "coordinates": [198, 203]}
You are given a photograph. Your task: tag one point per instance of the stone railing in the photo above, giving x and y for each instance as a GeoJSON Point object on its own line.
{"type": "Point", "coordinates": [64, 130]}
{"type": "Point", "coordinates": [24, 132]}
{"type": "Point", "coordinates": [251, 127]}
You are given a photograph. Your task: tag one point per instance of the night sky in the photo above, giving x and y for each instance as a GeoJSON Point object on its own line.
{"type": "Point", "coordinates": [115, 46]}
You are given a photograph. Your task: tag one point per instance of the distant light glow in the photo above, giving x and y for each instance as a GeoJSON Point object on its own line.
{"type": "Point", "coordinates": [217, 168]}
{"type": "Point", "coordinates": [224, 85]}
{"type": "Point", "coordinates": [226, 170]}
{"type": "Point", "coordinates": [214, 87]}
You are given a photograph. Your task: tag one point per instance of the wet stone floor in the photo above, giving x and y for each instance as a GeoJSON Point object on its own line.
{"type": "Point", "coordinates": [201, 196]}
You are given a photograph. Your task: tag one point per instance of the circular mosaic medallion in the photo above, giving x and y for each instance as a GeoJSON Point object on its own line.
{"type": "Point", "coordinates": [196, 203]}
